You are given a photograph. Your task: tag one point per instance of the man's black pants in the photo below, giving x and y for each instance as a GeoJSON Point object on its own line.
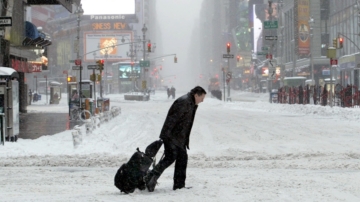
{"type": "Point", "coordinates": [173, 153]}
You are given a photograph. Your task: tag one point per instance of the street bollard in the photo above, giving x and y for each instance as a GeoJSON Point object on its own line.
{"type": "Point", "coordinates": [101, 117]}
{"type": "Point", "coordinates": [98, 120]}
{"type": "Point", "coordinates": [93, 119]}
{"type": "Point", "coordinates": [77, 136]}
{"type": "Point", "coordinates": [88, 126]}
{"type": "Point", "coordinates": [106, 116]}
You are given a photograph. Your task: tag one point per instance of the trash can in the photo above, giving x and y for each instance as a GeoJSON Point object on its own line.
{"type": "Point", "coordinates": [2, 127]}
{"type": "Point", "coordinates": [106, 104]}
{"type": "Point", "coordinates": [92, 104]}
{"type": "Point", "coordinates": [274, 96]}
{"type": "Point", "coordinates": [99, 104]}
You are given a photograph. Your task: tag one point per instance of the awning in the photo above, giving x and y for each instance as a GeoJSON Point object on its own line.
{"type": "Point", "coordinates": [31, 30]}
{"type": "Point", "coordinates": [65, 3]}
{"type": "Point", "coordinates": [8, 72]}
{"type": "Point", "coordinates": [34, 38]}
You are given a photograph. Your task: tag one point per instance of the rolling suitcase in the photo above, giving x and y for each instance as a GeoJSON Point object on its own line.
{"type": "Point", "coordinates": [130, 175]}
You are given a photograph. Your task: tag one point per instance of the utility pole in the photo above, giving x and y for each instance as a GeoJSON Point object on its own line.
{"type": "Point", "coordinates": [311, 23]}
{"type": "Point", "coordinates": [144, 29]}
{"type": "Point", "coordinates": [79, 12]}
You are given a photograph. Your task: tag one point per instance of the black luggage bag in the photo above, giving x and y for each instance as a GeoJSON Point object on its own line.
{"type": "Point", "coordinates": [130, 175]}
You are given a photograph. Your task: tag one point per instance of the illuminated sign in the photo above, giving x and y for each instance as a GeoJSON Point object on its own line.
{"type": "Point", "coordinates": [109, 26]}
{"type": "Point", "coordinates": [107, 17]}
{"type": "Point", "coordinates": [107, 45]}
{"type": "Point", "coordinates": [264, 71]}
{"type": "Point", "coordinates": [35, 66]}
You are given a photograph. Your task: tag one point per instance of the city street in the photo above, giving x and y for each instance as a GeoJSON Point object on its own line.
{"type": "Point", "coordinates": [239, 151]}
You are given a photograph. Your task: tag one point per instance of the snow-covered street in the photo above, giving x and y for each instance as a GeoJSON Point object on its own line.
{"type": "Point", "coordinates": [239, 151]}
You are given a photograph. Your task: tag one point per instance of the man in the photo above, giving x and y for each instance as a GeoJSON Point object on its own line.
{"type": "Point", "coordinates": [175, 135]}
{"type": "Point", "coordinates": [30, 96]}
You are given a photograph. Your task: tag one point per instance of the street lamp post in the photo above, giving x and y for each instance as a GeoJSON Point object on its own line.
{"type": "Point", "coordinates": [132, 55]}
{"type": "Point", "coordinates": [311, 24]}
{"type": "Point", "coordinates": [105, 80]}
{"type": "Point", "coordinates": [144, 29]}
{"type": "Point", "coordinates": [79, 11]}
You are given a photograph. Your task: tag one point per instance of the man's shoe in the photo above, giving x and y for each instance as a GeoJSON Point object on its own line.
{"type": "Point", "coordinates": [175, 187]}
{"type": "Point", "coordinates": [151, 181]}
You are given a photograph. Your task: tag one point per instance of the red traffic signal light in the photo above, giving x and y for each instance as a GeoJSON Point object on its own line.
{"type": "Point", "coordinates": [238, 58]}
{"type": "Point", "coordinates": [149, 47]}
{"type": "Point", "coordinates": [100, 63]}
{"type": "Point", "coordinates": [228, 47]}
{"type": "Point", "coordinates": [341, 41]}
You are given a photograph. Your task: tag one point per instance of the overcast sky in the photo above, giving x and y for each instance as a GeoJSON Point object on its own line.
{"type": "Point", "coordinates": [176, 20]}
{"type": "Point", "coordinates": [108, 7]}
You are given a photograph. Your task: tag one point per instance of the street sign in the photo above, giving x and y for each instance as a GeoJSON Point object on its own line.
{"type": "Point", "coordinates": [333, 62]}
{"type": "Point", "coordinates": [76, 67]}
{"type": "Point", "coordinates": [228, 75]}
{"type": "Point", "coordinates": [261, 53]}
{"type": "Point", "coordinates": [270, 24]}
{"type": "Point", "coordinates": [78, 62]}
{"type": "Point", "coordinates": [270, 37]}
{"type": "Point", "coordinates": [5, 21]}
{"type": "Point", "coordinates": [145, 63]}
{"type": "Point", "coordinates": [265, 48]}
{"type": "Point", "coordinates": [93, 67]}
{"type": "Point", "coordinates": [228, 55]}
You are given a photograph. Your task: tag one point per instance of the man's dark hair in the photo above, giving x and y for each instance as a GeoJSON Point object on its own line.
{"type": "Point", "coordinates": [198, 90]}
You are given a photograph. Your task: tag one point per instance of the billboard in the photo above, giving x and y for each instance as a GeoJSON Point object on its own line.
{"type": "Point", "coordinates": [125, 71]}
{"type": "Point", "coordinates": [107, 44]}
{"type": "Point", "coordinates": [303, 28]}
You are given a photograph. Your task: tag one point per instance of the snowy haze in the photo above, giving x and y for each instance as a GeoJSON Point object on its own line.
{"type": "Point", "coordinates": [245, 150]}
{"type": "Point", "coordinates": [93, 7]}
{"type": "Point", "coordinates": [177, 20]}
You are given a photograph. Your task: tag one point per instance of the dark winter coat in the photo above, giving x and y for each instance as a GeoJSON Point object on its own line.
{"type": "Point", "coordinates": [179, 121]}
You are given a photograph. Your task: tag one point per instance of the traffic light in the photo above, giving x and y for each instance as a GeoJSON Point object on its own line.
{"type": "Point", "coordinates": [71, 79]}
{"type": "Point", "coordinates": [100, 63]}
{"type": "Point", "coordinates": [340, 42]}
{"type": "Point", "coordinates": [149, 47]}
{"type": "Point", "coordinates": [335, 43]}
{"type": "Point", "coordinates": [238, 58]}
{"type": "Point", "coordinates": [143, 84]}
{"type": "Point", "coordinates": [228, 47]}
{"type": "Point", "coordinates": [92, 77]}
{"type": "Point", "coordinates": [175, 59]}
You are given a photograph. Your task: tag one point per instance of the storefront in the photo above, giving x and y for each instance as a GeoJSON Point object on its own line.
{"type": "Point", "coordinates": [347, 71]}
